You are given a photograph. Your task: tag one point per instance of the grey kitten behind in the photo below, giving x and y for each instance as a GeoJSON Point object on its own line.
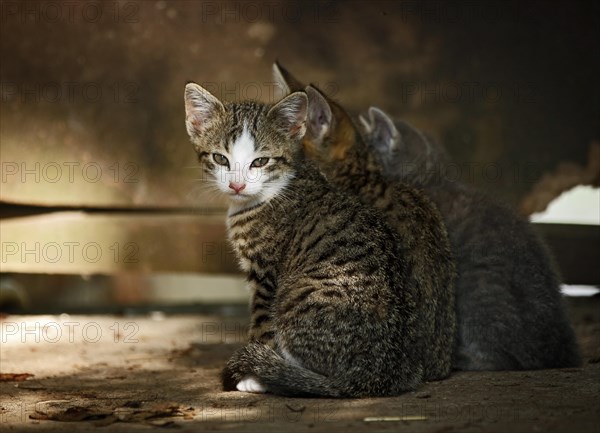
{"type": "Point", "coordinates": [332, 311]}
{"type": "Point", "coordinates": [509, 307]}
{"type": "Point", "coordinates": [402, 149]}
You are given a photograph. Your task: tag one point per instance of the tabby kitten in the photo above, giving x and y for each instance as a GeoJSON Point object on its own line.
{"type": "Point", "coordinates": [509, 307]}
{"type": "Point", "coordinates": [335, 144]}
{"type": "Point", "coordinates": [334, 310]}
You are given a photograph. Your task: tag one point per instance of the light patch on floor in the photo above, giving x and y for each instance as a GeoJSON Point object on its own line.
{"type": "Point", "coordinates": [578, 290]}
{"type": "Point", "coordinates": [579, 205]}
{"type": "Point", "coordinates": [173, 289]}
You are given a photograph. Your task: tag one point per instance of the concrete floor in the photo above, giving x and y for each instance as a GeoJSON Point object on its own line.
{"type": "Point", "coordinates": [154, 371]}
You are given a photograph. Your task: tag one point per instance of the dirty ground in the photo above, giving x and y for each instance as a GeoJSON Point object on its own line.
{"type": "Point", "coordinates": [154, 371]}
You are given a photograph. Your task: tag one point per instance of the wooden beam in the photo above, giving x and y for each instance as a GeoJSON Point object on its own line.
{"type": "Point", "coordinates": [105, 243]}
{"type": "Point", "coordinates": [77, 242]}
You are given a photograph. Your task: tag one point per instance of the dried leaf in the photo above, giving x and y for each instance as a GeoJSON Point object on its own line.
{"type": "Point", "coordinates": [71, 414]}
{"type": "Point", "coordinates": [160, 415]}
{"type": "Point", "coordinates": [15, 377]}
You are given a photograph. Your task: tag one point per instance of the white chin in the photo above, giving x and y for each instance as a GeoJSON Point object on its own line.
{"type": "Point", "coordinates": [238, 198]}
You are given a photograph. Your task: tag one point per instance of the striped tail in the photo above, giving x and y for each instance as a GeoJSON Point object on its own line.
{"type": "Point", "coordinates": [277, 374]}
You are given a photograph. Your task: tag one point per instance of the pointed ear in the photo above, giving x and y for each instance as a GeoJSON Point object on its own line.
{"type": "Point", "coordinates": [289, 115]}
{"type": "Point", "coordinates": [286, 81]}
{"type": "Point", "coordinates": [366, 124]}
{"type": "Point", "coordinates": [320, 116]}
{"type": "Point", "coordinates": [201, 109]}
{"type": "Point", "coordinates": [383, 129]}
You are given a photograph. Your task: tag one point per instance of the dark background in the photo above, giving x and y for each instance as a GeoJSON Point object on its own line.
{"type": "Point", "coordinates": [509, 87]}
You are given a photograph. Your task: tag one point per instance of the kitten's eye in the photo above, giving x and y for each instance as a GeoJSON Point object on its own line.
{"type": "Point", "coordinates": [259, 162]}
{"type": "Point", "coordinates": [220, 159]}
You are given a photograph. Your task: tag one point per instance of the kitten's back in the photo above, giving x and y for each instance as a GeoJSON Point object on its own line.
{"type": "Point", "coordinates": [334, 312]}
{"type": "Point", "coordinates": [344, 316]}
{"type": "Point", "coordinates": [510, 311]}
{"type": "Point", "coordinates": [348, 163]}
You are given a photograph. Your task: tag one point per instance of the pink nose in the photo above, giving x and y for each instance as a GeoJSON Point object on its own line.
{"type": "Point", "coordinates": [237, 187]}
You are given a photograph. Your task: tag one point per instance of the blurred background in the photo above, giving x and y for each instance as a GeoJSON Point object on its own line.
{"type": "Point", "coordinates": [103, 208]}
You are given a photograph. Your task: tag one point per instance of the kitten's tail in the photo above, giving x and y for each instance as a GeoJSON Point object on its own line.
{"type": "Point", "coordinates": [277, 374]}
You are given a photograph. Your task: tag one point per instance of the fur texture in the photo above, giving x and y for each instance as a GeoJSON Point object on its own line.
{"type": "Point", "coordinates": [510, 310]}
{"type": "Point", "coordinates": [335, 311]}
{"type": "Point", "coordinates": [335, 144]}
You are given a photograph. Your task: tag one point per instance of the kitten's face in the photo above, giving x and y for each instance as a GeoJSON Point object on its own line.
{"type": "Point", "coordinates": [245, 149]}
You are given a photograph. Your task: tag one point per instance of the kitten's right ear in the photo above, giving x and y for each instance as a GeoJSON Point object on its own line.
{"type": "Point", "coordinates": [289, 115]}
{"type": "Point", "coordinates": [201, 109]}
{"type": "Point", "coordinates": [286, 81]}
{"type": "Point", "coordinates": [320, 116]}
{"type": "Point", "coordinates": [382, 128]}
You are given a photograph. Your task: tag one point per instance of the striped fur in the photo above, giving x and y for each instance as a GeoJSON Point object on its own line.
{"type": "Point", "coordinates": [334, 312]}
{"type": "Point", "coordinates": [335, 144]}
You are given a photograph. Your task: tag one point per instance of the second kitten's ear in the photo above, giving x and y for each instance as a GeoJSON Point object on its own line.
{"type": "Point", "coordinates": [286, 81]}
{"type": "Point", "coordinates": [382, 128]}
{"type": "Point", "coordinates": [365, 123]}
{"type": "Point", "coordinates": [201, 109]}
{"type": "Point", "coordinates": [289, 115]}
{"type": "Point", "coordinates": [320, 117]}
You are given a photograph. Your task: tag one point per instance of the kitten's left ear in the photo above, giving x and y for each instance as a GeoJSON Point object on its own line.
{"type": "Point", "coordinates": [289, 115]}
{"type": "Point", "coordinates": [320, 116]}
{"type": "Point", "coordinates": [286, 81]}
{"type": "Point", "coordinates": [201, 109]}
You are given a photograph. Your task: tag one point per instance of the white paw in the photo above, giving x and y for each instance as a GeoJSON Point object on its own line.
{"type": "Point", "coordinates": [251, 384]}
